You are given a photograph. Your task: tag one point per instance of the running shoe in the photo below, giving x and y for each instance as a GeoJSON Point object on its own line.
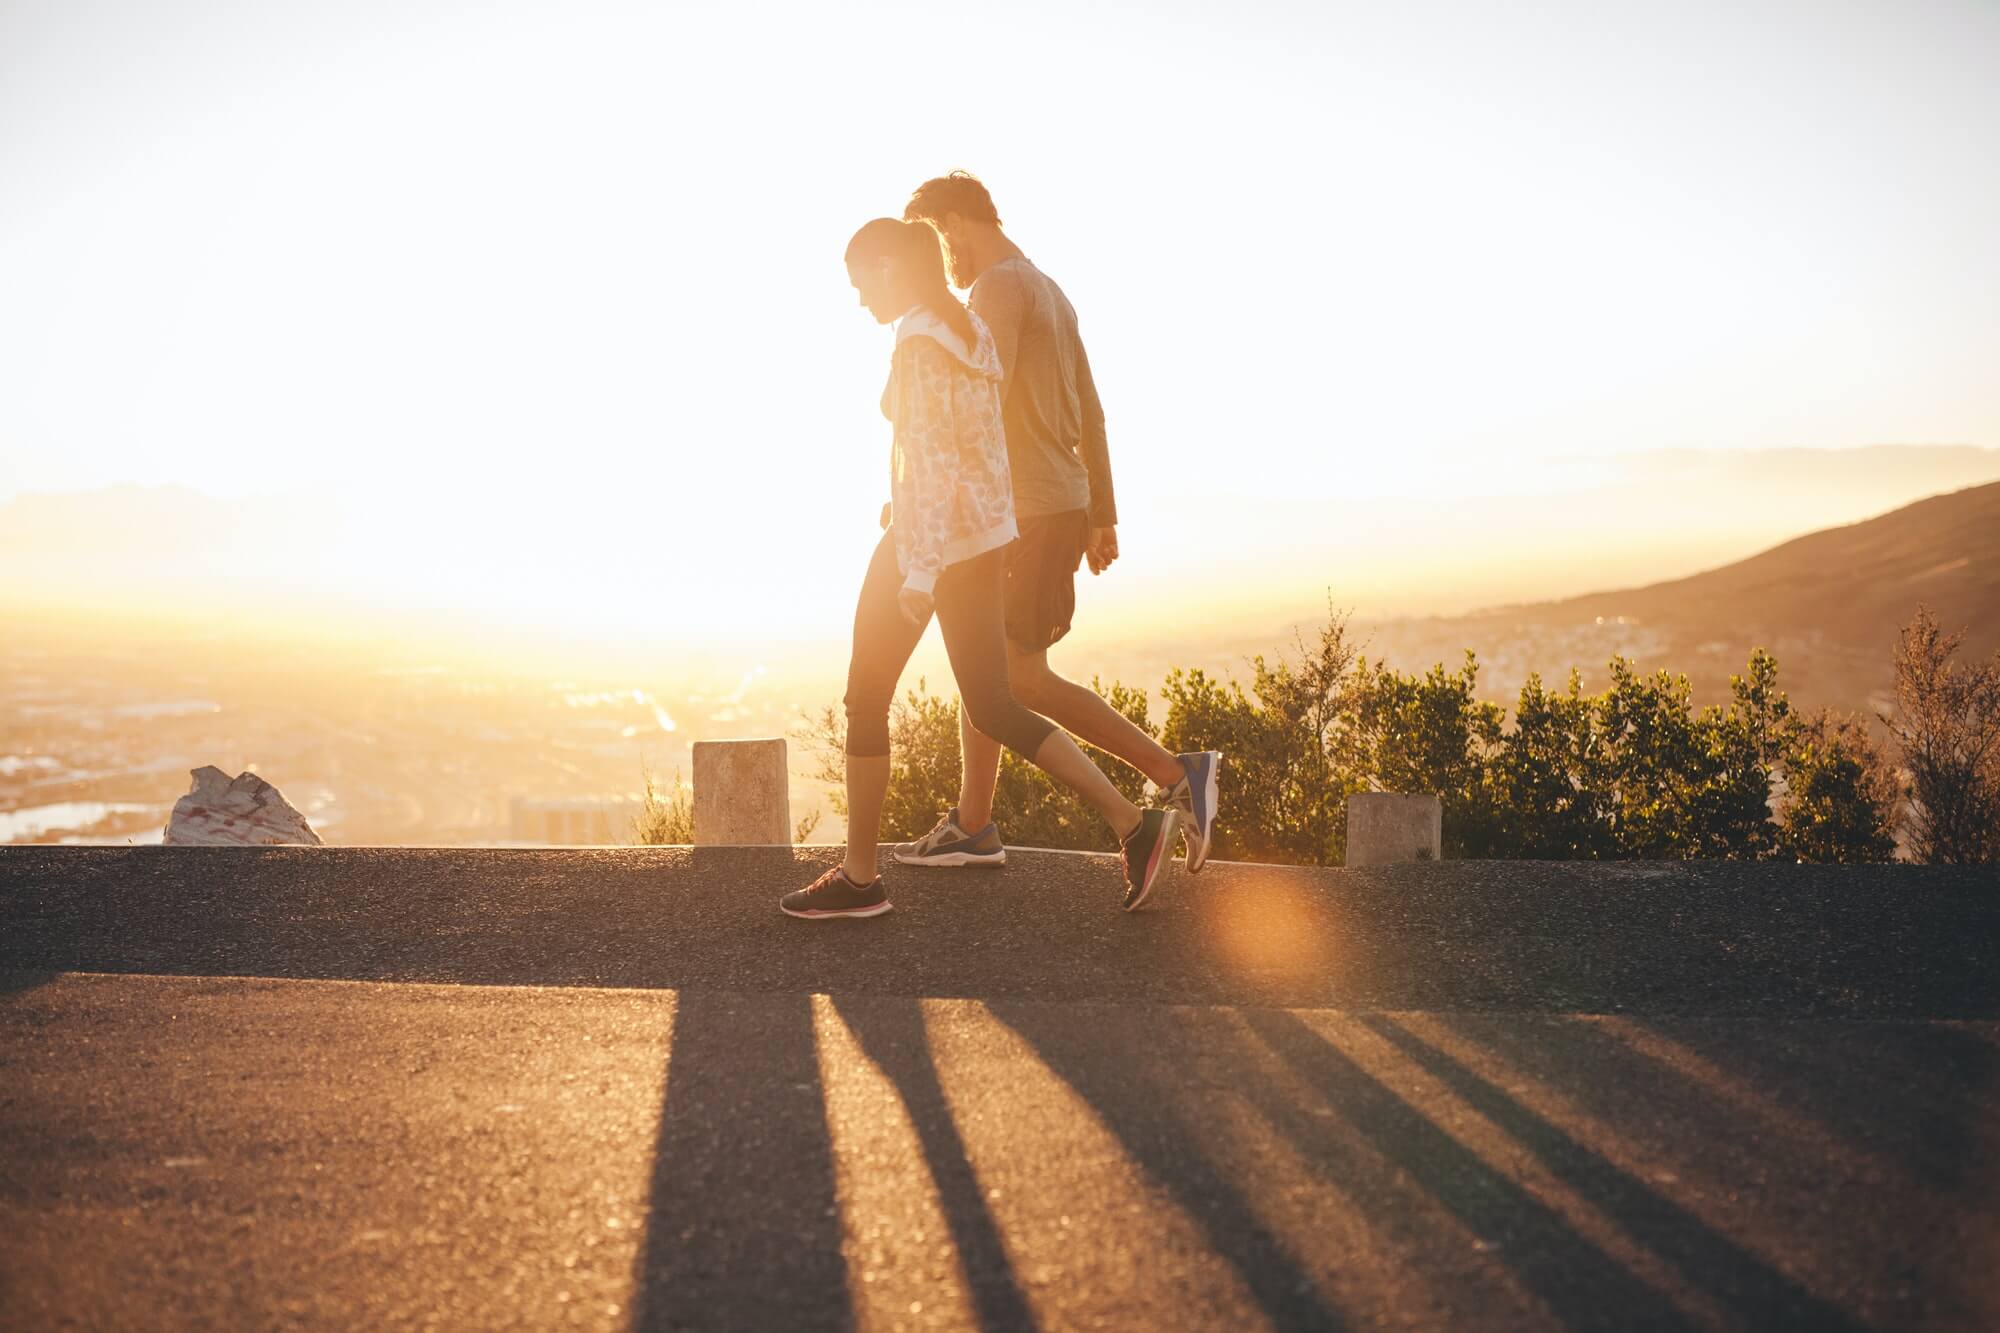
{"type": "Point", "coordinates": [1146, 853]}
{"type": "Point", "coordinates": [1196, 796]}
{"type": "Point", "coordinates": [950, 845]}
{"type": "Point", "coordinates": [834, 894]}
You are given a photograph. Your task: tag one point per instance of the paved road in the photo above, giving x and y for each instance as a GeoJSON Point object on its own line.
{"type": "Point", "coordinates": [1217, 1116]}
{"type": "Point", "coordinates": [1704, 938]}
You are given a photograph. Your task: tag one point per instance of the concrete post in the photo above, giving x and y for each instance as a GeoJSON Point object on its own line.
{"type": "Point", "coordinates": [1384, 827]}
{"type": "Point", "coordinates": [742, 794]}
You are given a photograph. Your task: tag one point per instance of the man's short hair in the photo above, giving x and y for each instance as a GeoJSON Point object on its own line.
{"type": "Point", "coordinates": [959, 193]}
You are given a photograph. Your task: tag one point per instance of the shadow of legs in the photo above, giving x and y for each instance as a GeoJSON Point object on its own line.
{"type": "Point", "coordinates": [1921, 1094]}
{"type": "Point", "coordinates": [1731, 1275]}
{"type": "Point", "coordinates": [743, 1227]}
{"type": "Point", "coordinates": [1135, 1098]}
{"type": "Point", "coordinates": [891, 1032]}
{"type": "Point", "coordinates": [1584, 1286]}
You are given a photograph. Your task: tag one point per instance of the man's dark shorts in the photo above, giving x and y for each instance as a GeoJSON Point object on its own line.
{"type": "Point", "coordinates": [1041, 578]}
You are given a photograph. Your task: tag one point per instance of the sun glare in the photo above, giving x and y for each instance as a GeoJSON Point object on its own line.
{"type": "Point", "coordinates": [523, 342]}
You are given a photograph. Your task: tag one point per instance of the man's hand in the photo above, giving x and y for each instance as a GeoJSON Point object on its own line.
{"type": "Point", "coordinates": [1101, 548]}
{"type": "Point", "coordinates": [916, 606]}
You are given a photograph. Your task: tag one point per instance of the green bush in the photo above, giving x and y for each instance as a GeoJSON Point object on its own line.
{"type": "Point", "coordinates": [1633, 772]}
{"type": "Point", "coordinates": [1682, 783]}
{"type": "Point", "coordinates": [1293, 749]}
{"type": "Point", "coordinates": [1428, 734]}
{"type": "Point", "coordinates": [1841, 795]}
{"type": "Point", "coordinates": [1551, 778]}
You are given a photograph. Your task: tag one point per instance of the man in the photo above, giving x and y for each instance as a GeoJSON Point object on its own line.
{"type": "Point", "coordinates": [1063, 502]}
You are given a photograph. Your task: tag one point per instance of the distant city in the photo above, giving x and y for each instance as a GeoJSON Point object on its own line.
{"type": "Point", "coordinates": [97, 735]}
{"type": "Point", "coordinates": [97, 740]}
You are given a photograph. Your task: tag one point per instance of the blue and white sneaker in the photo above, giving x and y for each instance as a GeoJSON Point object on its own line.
{"type": "Point", "coordinates": [1196, 796]}
{"type": "Point", "coordinates": [950, 845]}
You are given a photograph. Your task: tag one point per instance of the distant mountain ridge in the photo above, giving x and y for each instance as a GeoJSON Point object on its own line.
{"type": "Point", "coordinates": [1828, 604]}
{"type": "Point", "coordinates": [1854, 584]}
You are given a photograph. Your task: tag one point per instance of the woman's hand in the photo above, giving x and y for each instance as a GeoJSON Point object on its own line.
{"type": "Point", "coordinates": [917, 606]}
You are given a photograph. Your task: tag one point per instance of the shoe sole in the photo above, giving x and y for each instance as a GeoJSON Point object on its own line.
{"type": "Point", "coordinates": [877, 910]}
{"type": "Point", "coordinates": [1156, 863]}
{"type": "Point", "coordinates": [1211, 792]}
{"type": "Point", "coordinates": [954, 859]}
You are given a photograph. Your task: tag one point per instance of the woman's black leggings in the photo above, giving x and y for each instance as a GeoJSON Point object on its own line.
{"type": "Point", "coordinates": [971, 615]}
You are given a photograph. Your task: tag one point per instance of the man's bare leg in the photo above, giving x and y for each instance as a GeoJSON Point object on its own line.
{"type": "Point", "coordinates": [1080, 711]}
{"type": "Point", "coordinates": [1059, 757]}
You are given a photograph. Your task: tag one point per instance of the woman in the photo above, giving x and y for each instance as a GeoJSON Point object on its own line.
{"type": "Point", "coordinates": [953, 507]}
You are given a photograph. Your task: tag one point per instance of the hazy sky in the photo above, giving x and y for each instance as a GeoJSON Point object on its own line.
{"type": "Point", "coordinates": [547, 292]}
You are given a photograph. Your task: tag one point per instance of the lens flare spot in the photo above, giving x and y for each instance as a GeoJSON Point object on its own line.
{"type": "Point", "coordinates": [1264, 929]}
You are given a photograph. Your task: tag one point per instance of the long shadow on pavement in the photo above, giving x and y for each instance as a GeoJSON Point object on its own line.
{"type": "Point", "coordinates": [1730, 1275]}
{"type": "Point", "coordinates": [1923, 1095]}
{"type": "Point", "coordinates": [1576, 1278]}
{"type": "Point", "coordinates": [1136, 1100]}
{"type": "Point", "coordinates": [743, 1227]}
{"type": "Point", "coordinates": [891, 1033]}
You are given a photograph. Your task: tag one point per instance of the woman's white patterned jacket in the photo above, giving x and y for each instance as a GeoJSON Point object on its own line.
{"type": "Point", "coordinates": [952, 496]}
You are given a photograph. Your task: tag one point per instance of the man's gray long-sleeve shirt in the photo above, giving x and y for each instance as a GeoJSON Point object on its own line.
{"type": "Point", "coordinates": [1055, 425]}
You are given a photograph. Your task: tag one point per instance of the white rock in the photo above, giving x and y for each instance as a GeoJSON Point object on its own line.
{"type": "Point", "coordinates": [244, 811]}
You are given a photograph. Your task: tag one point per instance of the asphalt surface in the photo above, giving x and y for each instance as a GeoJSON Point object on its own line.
{"type": "Point", "coordinates": [1698, 938]}
{"type": "Point", "coordinates": [1453, 1096]}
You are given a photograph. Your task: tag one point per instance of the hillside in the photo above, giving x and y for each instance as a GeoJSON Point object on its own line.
{"type": "Point", "coordinates": [1828, 604]}
{"type": "Point", "coordinates": [1854, 585]}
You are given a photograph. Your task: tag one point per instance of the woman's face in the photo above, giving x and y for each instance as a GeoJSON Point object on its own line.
{"type": "Point", "coordinates": [879, 291]}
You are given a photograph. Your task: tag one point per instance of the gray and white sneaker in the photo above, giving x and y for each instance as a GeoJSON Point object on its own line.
{"type": "Point", "coordinates": [1196, 797]}
{"type": "Point", "coordinates": [950, 845]}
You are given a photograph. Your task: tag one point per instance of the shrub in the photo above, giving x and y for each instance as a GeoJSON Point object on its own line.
{"type": "Point", "coordinates": [1947, 722]}
{"type": "Point", "coordinates": [1294, 749]}
{"type": "Point", "coordinates": [664, 822]}
{"type": "Point", "coordinates": [1635, 771]}
{"type": "Point", "coordinates": [1685, 784]}
{"type": "Point", "coordinates": [1428, 734]}
{"type": "Point", "coordinates": [670, 822]}
{"type": "Point", "coordinates": [1551, 780]}
{"type": "Point", "coordinates": [1842, 798]}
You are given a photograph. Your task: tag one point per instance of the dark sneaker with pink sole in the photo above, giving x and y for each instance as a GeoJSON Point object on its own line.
{"type": "Point", "coordinates": [834, 894]}
{"type": "Point", "coordinates": [1146, 854]}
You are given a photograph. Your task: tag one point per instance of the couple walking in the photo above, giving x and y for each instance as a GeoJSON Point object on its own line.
{"type": "Point", "coordinates": [1000, 485]}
